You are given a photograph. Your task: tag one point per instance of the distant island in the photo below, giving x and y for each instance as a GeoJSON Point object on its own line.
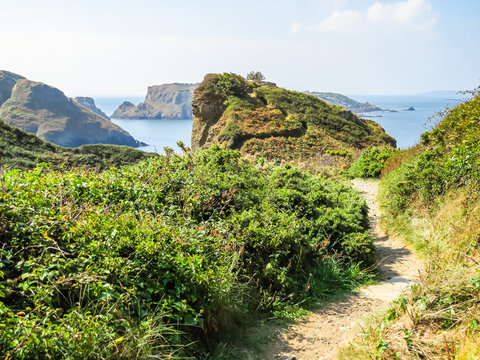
{"type": "Point", "coordinates": [344, 101]}
{"type": "Point", "coordinates": [45, 111]}
{"type": "Point", "coordinates": [167, 101]}
{"type": "Point", "coordinates": [89, 103]}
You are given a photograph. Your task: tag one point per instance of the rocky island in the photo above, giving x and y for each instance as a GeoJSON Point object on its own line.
{"type": "Point", "coordinates": [276, 123]}
{"type": "Point", "coordinates": [46, 112]}
{"type": "Point", "coordinates": [89, 103]}
{"type": "Point", "coordinates": [167, 101]}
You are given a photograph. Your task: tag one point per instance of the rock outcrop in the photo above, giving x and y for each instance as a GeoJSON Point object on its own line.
{"type": "Point", "coordinates": [7, 83]}
{"type": "Point", "coordinates": [89, 103]}
{"type": "Point", "coordinates": [276, 123]}
{"type": "Point", "coordinates": [168, 101]}
{"type": "Point", "coordinates": [46, 112]}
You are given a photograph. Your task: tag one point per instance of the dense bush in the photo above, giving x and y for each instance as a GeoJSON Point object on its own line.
{"type": "Point", "coordinates": [139, 261]}
{"type": "Point", "coordinates": [370, 163]}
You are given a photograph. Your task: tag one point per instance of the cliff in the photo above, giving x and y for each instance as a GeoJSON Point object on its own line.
{"type": "Point", "coordinates": [89, 103]}
{"type": "Point", "coordinates": [345, 102]}
{"type": "Point", "coordinates": [168, 101]}
{"type": "Point", "coordinates": [276, 123]}
{"type": "Point", "coordinates": [46, 112]}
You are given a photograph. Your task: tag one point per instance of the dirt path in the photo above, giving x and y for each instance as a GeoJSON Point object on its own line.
{"type": "Point", "coordinates": [319, 335]}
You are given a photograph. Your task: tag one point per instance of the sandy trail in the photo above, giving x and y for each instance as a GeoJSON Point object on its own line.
{"type": "Point", "coordinates": [319, 335]}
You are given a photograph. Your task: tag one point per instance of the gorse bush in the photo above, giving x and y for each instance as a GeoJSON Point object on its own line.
{"type": "Point", "coordinates": [144, 260]}
{"type": "Point", "coordinates": [370, 163]}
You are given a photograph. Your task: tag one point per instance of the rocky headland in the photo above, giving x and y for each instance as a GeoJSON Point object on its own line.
{"type": "Point", "coordinates": [276, 123]}
{"type": "Point", "coordinates": [167, 101]}
{"type": "Point", "coordinates": [46, 112]}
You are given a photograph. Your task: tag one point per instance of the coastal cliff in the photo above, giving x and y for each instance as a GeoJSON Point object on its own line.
{"type": "Point", "coordinates": [46, 112]}
{"type": "Point", "coordinates": [167, 101]}
{"type": "Point", "coordinates": [276, 123]}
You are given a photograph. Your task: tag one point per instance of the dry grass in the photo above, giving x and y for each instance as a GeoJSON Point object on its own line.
{"type": "Point", "coordinates": [440, 317]}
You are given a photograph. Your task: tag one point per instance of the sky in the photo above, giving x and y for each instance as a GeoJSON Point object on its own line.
{"type": "Point", "coordinates": [120, 47]}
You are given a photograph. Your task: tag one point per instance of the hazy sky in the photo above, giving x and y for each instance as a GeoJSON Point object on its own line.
{"type": "Point", "coordinates": [119, 47]}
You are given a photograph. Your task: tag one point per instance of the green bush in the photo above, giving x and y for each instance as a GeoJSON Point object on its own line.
{"type": "Point", "coordinates": [147, 260]}
{"type": "Point", "coordinates": [229, 84]}
{"type": "Point", "coordinates": [370, 163]}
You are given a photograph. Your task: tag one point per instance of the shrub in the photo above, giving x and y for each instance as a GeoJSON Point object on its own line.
{"type": "Point", "coordinates": [370, 163]}
{"type": "Point", "coordinates": [166, 253]}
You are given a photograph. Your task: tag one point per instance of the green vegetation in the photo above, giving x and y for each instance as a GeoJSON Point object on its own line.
{"type": "Point", "coordinates": [157, 259]}
{"type": "Point", "coordinates": [277, 124]}
{"type": "Point", "coordinates": [431, 197]}
{"type": "Point", "coordinates": [370, 163]}
{"type": "Point", "coordinates": [25, 151]}
{"type": "Point", "coordinates": [255, 76]}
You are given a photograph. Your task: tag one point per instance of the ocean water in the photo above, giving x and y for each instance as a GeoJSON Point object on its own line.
{"type": "Point", "coordinates": [405, 126]}
{"type": "Point", "coordinates": [156, 133]}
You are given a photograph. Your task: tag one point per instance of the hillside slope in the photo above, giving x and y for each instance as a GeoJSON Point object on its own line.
{"type": "Point", "coordinates": [167, 101]}
{"type": "Point", "coordinates": [431, 196]}
{"type": "Point", "coordinates": [21, 150]}
{"type": "Point", "coordinates": [46, 112]}
{"type": "Point", "coordinates": [275, 123]}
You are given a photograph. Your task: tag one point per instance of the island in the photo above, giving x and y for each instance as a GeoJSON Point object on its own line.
{"type": "Point", "coordinates": [344, 101]}
{"type": "Point", "coordinates": [167, 101]}
{"type": "Point", "coordinates": [89, 103]}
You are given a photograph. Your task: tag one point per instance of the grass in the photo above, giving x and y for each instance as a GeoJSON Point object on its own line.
{"type": "Point", "coordinates": [430, 198]}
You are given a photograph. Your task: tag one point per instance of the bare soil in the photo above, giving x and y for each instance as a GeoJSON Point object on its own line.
{"type": "Point", "coordinates": [319, 335]}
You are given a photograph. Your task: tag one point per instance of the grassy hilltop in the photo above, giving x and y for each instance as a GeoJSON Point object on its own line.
{"type": "Point", "coordinates": [274, 123]}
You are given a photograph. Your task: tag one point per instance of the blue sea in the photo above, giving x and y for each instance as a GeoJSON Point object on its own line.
{"type": "Point", "coordinates": [156, 133]}
{"type": "Point", "coordinates": [405, 126]}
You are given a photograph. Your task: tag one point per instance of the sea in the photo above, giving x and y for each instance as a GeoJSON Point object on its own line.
{"type": "Point", "coordinates": [404, 125]}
